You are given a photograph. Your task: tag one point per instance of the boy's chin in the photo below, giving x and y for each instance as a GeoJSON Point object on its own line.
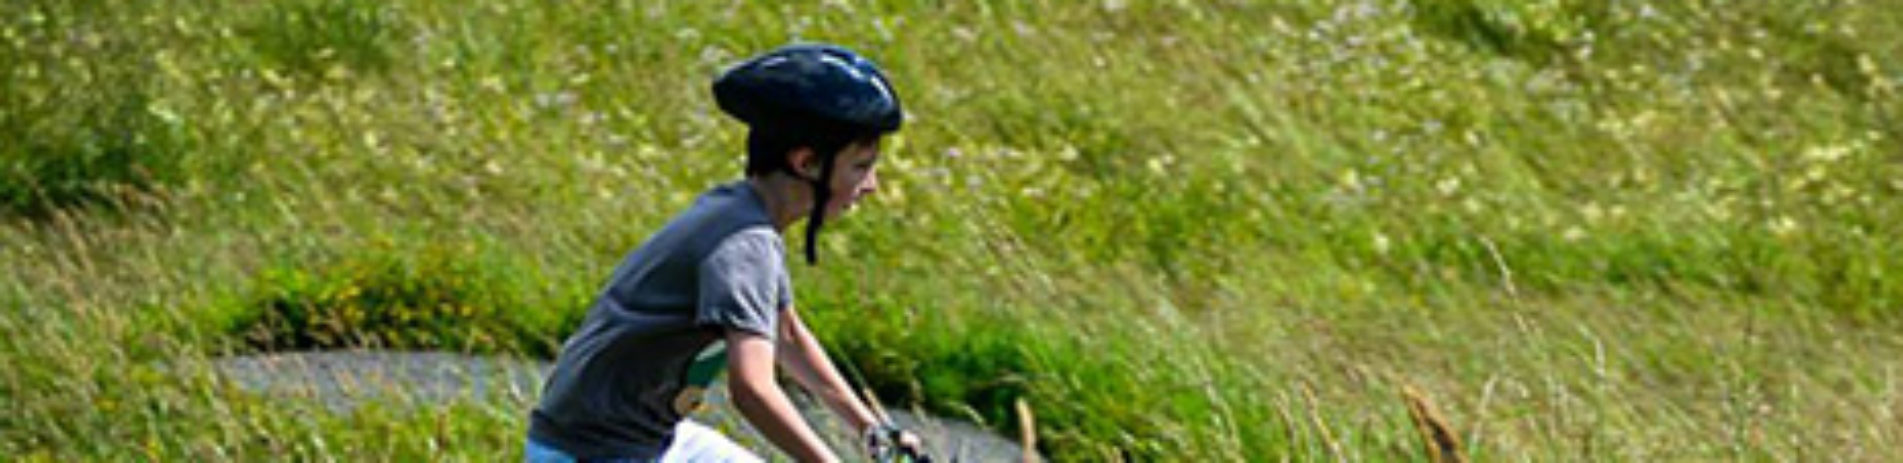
{"type": "Point", "coordinates": [838, 211]}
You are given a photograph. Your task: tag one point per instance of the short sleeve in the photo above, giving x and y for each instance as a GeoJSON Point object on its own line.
{"type": "Point", "coordinates": [743, 283]}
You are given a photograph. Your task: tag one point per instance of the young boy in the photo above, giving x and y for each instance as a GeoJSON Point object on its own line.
{"type": "Point", "coordinates": [710, 289]}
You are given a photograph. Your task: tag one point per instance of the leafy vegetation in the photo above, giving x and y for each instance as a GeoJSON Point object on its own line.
{"type": "Point", "coordinates": [1181, 231]}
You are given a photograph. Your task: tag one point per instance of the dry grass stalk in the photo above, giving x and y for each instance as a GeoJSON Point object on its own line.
{"type": "Point", "coordinates": [1315, 418]}
{"type": "Point", "coordinates": [1027, 432]}
{"type": "Point", "coordinates": [1443, 445]}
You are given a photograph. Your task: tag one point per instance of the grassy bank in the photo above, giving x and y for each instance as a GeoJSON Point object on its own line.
{"type": "Point", "coordinates": [1193, 232]}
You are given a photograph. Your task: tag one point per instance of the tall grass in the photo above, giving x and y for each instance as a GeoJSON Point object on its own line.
{"type": "Point", "coordinates": [1179, 231]}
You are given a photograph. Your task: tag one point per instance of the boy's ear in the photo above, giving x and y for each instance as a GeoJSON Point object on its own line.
{"type": "Point", "coordinates": [804, 163]}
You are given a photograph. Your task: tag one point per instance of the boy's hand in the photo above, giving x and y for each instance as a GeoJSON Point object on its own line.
{"type": "Point", "coordinates": [888, 443]}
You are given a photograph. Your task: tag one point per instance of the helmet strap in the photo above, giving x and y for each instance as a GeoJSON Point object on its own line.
{"type": "Point", "coordinates": [822, 194]}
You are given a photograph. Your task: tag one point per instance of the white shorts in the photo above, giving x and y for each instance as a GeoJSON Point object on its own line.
{"type": "Point", "coordinates": [693, 443]}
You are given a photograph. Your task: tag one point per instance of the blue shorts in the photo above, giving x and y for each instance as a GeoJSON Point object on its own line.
{"type": "Point", "coordinates": [538, 452]}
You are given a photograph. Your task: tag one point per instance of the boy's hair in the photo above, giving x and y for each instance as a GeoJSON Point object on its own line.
{"type": "Point", "coordinates": [767, 151]}
{"type": "Point", "coordinates": [767, 148]}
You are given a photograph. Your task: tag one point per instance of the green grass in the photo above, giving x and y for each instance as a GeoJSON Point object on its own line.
{"type": "Point", "coordinates": [1203, 231]}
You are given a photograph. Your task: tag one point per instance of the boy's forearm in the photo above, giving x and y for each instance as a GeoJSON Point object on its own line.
{"type": "Point", "coordinates": [841, 399]}
{"type": "Point", "coordinates": [767, 408]}
{"type": "Point", "coordinates": [814, 370]}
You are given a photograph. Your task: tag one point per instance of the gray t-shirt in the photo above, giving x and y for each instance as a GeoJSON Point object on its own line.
{"type": "Point", "coordinates": [651, 344]}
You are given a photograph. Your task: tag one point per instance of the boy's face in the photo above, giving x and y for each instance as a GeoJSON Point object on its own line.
{"type": "Point", "coordinates": [855, 176]}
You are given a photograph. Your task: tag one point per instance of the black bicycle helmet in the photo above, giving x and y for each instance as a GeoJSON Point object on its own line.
{"type": "Point", "coordinates": [818, 96]}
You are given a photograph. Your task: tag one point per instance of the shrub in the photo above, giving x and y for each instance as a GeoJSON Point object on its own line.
{"type": "Point", "coordinates": [435, 298]}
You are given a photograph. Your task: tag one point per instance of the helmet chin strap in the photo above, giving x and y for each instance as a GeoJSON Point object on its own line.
{"type": "Point", "coordinates": [822, 194]}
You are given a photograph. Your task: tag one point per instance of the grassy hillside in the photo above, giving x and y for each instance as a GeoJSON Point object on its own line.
{"type": "Point", "coordinates": [1181, 231]}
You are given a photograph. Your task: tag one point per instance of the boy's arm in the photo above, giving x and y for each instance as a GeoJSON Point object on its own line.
{"type": "Point", "coordinates": [758, 396]}
{"type": "Point", "coordinates": [805, 359]}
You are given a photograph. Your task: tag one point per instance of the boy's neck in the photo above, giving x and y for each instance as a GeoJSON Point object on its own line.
{"type": "Point", "coordinates": [787, 199]}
